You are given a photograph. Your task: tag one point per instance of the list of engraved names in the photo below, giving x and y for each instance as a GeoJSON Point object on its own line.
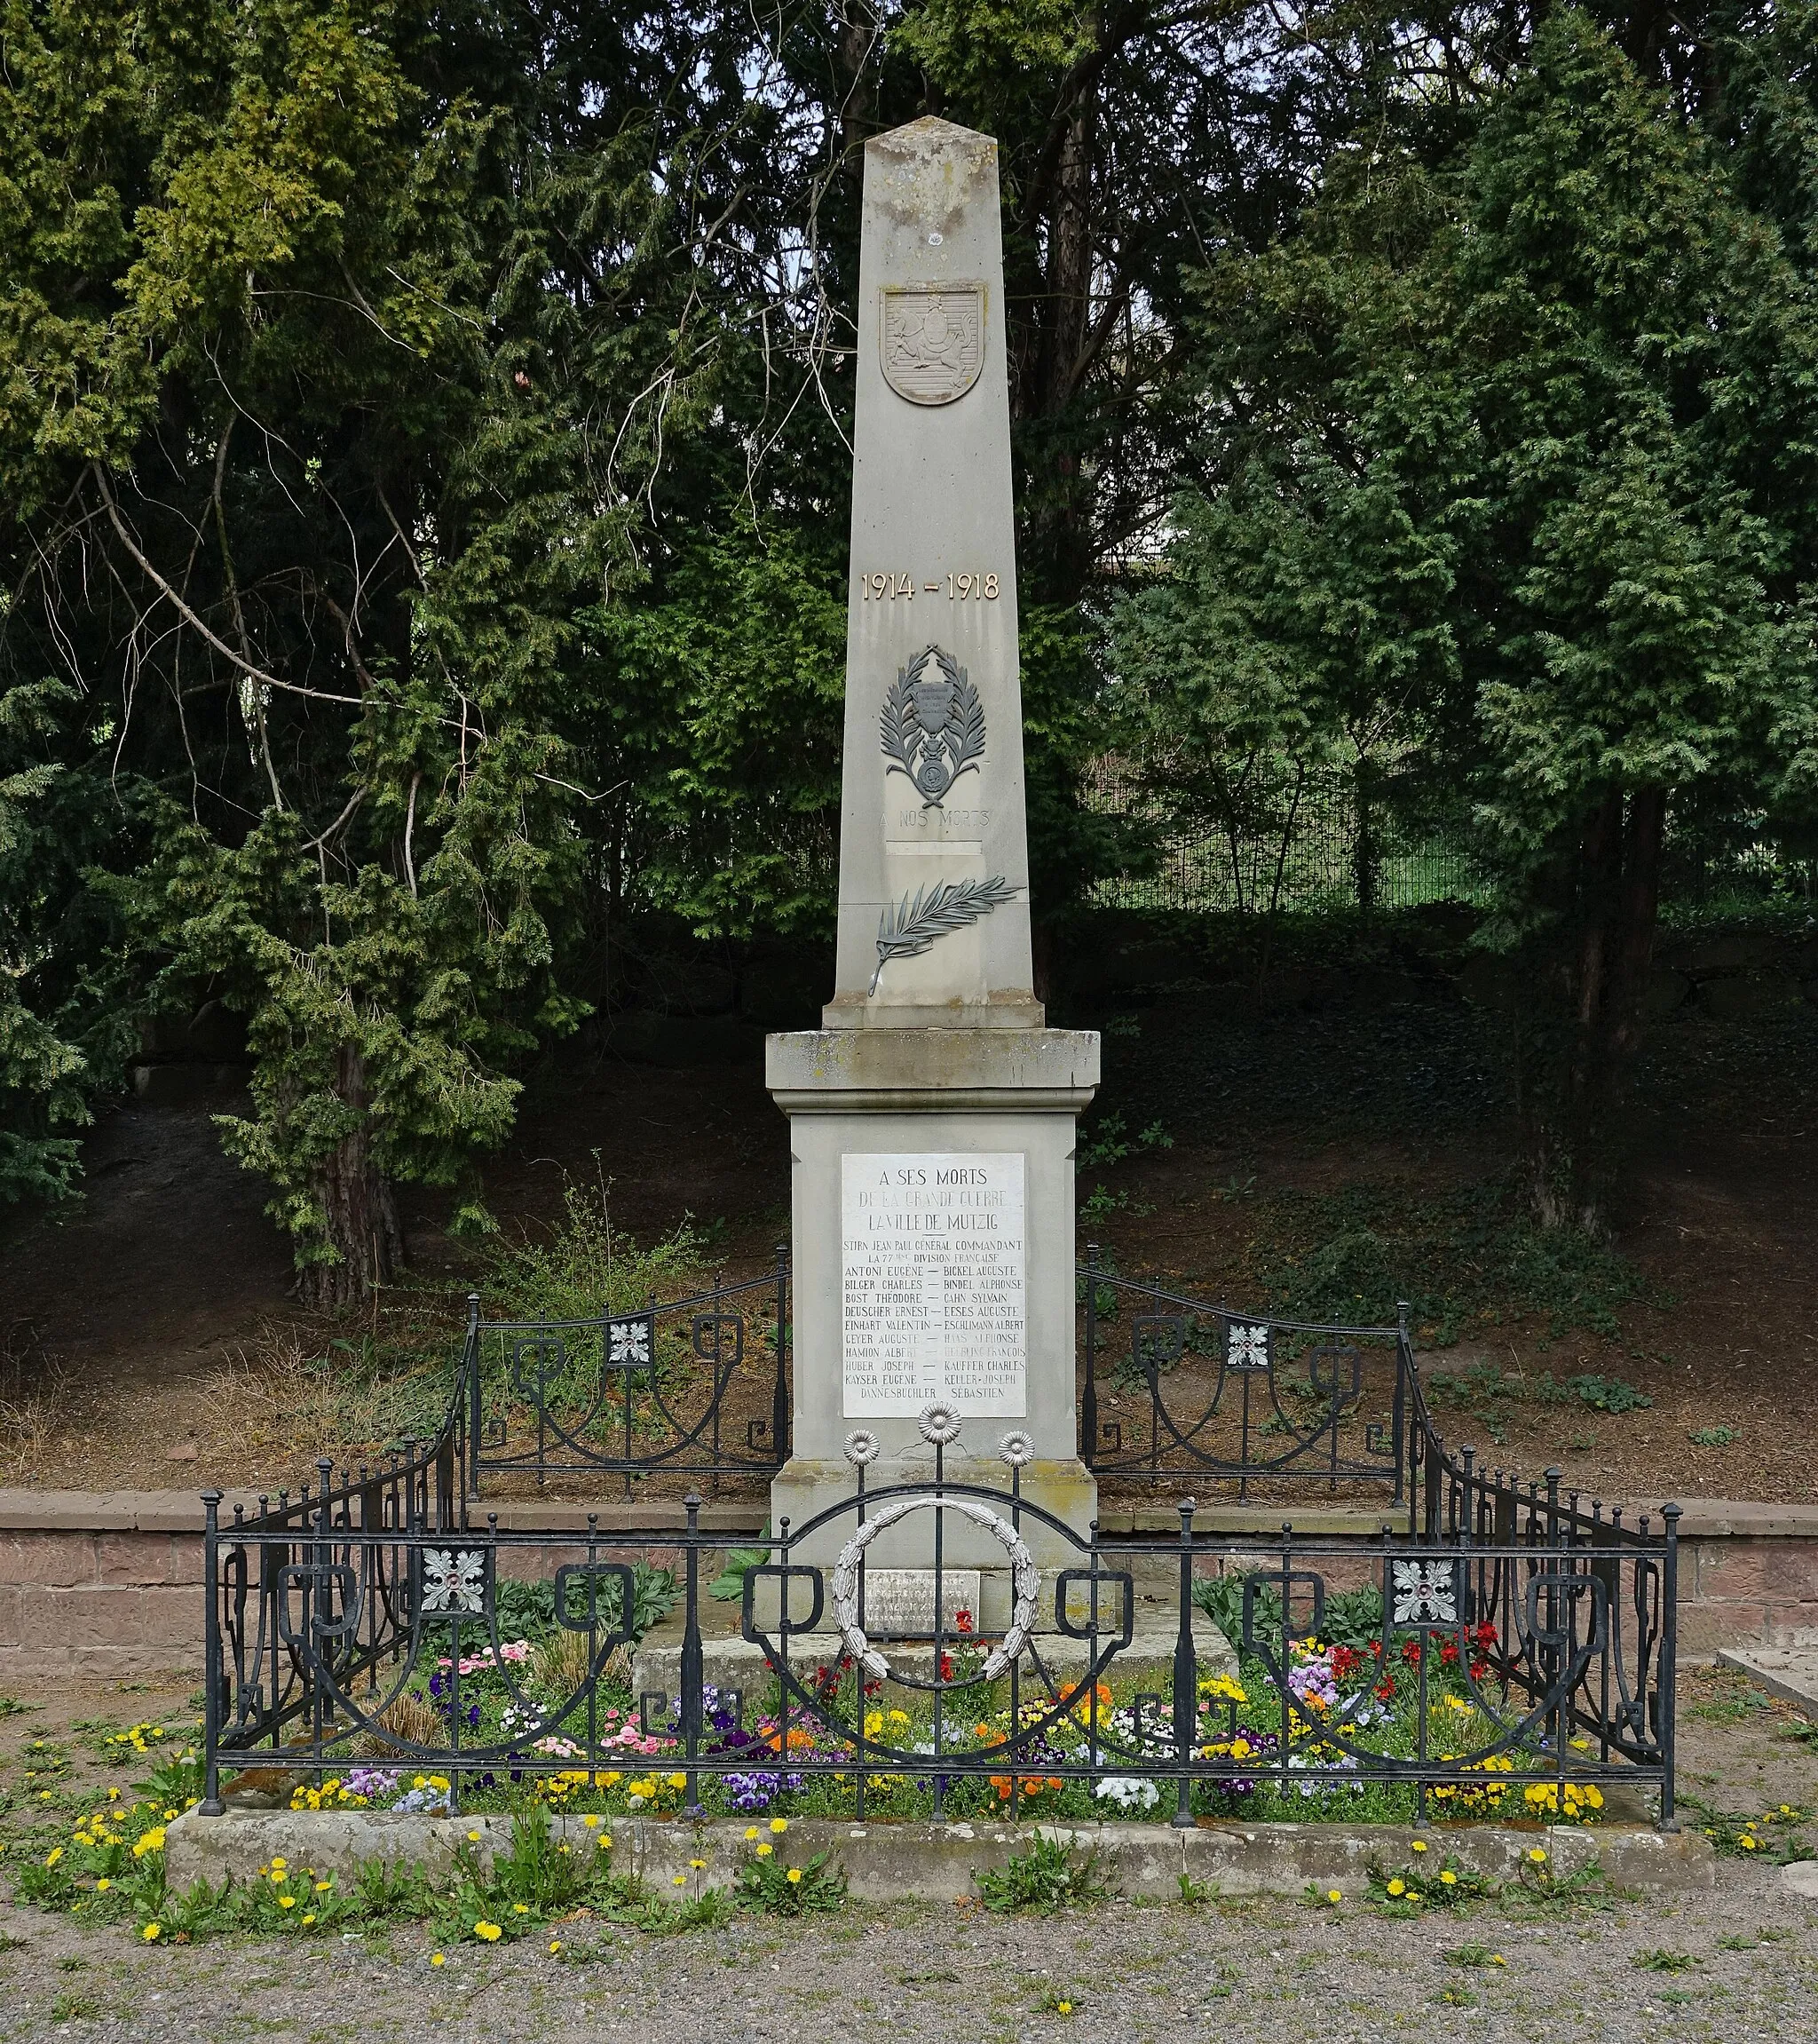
{"type": "Point", "coordinates": [932, 1283]}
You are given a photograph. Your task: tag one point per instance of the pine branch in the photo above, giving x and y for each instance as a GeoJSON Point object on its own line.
{"type": "Point", "coordinates": [909, 928]}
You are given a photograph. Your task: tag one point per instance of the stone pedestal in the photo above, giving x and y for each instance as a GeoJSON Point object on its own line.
{"type": "Point", "coordinates": [937, 1092]}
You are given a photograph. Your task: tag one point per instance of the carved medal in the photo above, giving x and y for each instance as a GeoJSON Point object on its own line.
{"type": "Point", "coordinates": [933, 725]}
{"type": "Point", "coordinates": [932, 339]}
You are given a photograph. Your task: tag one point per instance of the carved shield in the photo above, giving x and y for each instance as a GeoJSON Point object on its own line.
{"type": "Point", "coordinates": [932, 340]}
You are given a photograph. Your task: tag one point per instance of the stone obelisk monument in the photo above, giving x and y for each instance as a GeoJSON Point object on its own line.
{"type": "Point", "coordinates": [932, 1115]}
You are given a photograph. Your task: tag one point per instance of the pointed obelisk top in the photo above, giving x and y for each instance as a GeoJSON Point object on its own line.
{"type": "Point", "coordinates": [934, 859]}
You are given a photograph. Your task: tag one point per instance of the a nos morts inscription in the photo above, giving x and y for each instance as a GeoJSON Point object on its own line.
{"type": "Point", "coordinates": [932, 1283]}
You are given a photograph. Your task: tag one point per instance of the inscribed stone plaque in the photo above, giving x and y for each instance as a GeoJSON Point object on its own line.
{"type": "Point", "coordinates": [932, 1283]}
{"type": "Point", "coordinates": [899, 1602]}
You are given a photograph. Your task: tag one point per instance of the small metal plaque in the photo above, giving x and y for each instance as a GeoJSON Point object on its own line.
{"type": "Point", "coordinates": [932, 340]}
{"type": "Point", "coordinates": [899, 1602]}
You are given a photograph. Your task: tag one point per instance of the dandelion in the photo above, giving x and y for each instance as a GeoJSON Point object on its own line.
{"type": "Point", "coordinates": [439, 1958]}
{"type": "Point", "coordinates": [1420, 1845]}
{"type": "Point", "coordinates": [1334, 1895]}
{"type": "Point", "coordinates": [555, 1946]}
{"type": "Point", "coordinates": [102, 1886]}
{"type": "Point", "coordinates": [681, 1881]}
{"type": "Point", "coordinates": [490, 1932]}
{"type": "Point", "coordinates": [308, 1920]}
{"type": "Point", "coordinates": [592, 1823]}
{"type": "Point", "coordinates": [1448, 1879]}
{"type": "Point", "coordinates": [795, 1875]}
{"type": "Point", "coordinates": [152, 1933]}
{"type": "Point", "coordinates": [1398, 1886]}
{"type": "Point", "coordinates": [605, 1843]}
{"type": "Point", "coordinates": [764, 1852]}
{"type": "Point", "coordinates": [286, 1902]}
{"type": "Point", "coordinates": [520, 1909]}
{"type": "Point", "coordinates": [751, 1834]}
{"type": "Point", "coordinates": [1063, 2008]}
{"type": "Point", "coordinates": [1537, 1854]}
{"type": "Point", "coordinates": [697, 1865]}
{"type": "Point", "coordinates": [779, 1825]}
{"type": "Point", "coordinates": [473, 1838]}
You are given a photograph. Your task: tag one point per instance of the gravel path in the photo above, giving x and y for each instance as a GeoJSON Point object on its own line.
{"type": "Point", "coordinates": [1268, 1970]}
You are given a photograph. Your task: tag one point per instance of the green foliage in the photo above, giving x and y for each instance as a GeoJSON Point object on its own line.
{"type": "Point", "coordinates": [1512, 462]}
{"type": "Point", "coordinates": [769, 1884]}
{"type": "Point", "coordinates": [583, 1269]}
{"type": "Point", "coordinates": [729, 1585]}
{"type": "Point", "coordinates": [1053, 1874]}
{"type": "Point", "coordinates": [1471, 1255]}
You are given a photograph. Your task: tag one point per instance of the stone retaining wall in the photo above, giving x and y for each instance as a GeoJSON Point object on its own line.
{"type": "Point", "coordinates": [109, 1583]}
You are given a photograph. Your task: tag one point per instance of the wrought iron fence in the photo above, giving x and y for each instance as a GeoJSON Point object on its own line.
{"type": "Point", "coordinates": [693, 1387]}
{"type": "Point", "coordinates": [1514, 1652]}
{"type": "Point", "coordinates": [1179, 1389]}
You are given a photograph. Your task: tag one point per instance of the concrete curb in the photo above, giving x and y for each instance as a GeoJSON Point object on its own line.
{"type": "Point", "coordinates": [1791, 1673]}
{"type": "Point", "coordinates": [936, 1863]}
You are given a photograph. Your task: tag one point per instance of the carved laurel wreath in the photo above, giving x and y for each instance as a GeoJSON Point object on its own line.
{"type": "Point", "coordinates": [907, 746]}
{"type": "Point", "coordinates": [1025, 1582]}
{"type": "Point", "coordinates": [909, 927]}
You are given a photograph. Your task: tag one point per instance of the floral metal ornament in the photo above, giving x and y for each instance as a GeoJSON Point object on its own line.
{"type": "Point", "coordinates": [1247, 1347]}
{"type": "Point", "coordinates": [939, 1423]}
{"type": "Point", "coordinates": [1016, 1449]}
{"type": "Point", "coordinates": [628, 1344]}
{"type": "Point", "coordinates": [863, 1447]}
{"type": "Point", "coordinates": [933, 725]}
{"type": "Point", "coordinates": [454, 1580]}
{"type": "Point", "coordinates": [1424, 1592]}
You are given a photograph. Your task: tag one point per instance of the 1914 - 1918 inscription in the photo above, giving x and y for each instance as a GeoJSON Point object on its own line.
{"type": "Point", "coordinates": [932, 1266]}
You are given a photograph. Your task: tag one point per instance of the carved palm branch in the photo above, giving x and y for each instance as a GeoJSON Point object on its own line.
{"type": "Point", "coordinates": [909, 927]}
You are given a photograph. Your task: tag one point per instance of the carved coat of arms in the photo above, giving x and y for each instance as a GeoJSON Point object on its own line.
{"type": "Point", "coordinates": [932, 338]}
{"type": "Point", "coordinates": [933, 725]}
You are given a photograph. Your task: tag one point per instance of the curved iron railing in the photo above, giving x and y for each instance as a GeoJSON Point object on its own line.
{"type": "Point", "coordinates": [1177, 1388]}
{"type": "Point", "coordinates": [1524, 1643]}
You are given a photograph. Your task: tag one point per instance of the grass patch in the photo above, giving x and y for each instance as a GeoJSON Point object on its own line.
{"type": "Point", "coordinates": [1464, 1260]}
{"type": "Point", "coordinates": [1051, 1875]}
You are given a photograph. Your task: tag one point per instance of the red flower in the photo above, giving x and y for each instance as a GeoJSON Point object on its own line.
{"type": "Point", "coordinates": [962, 1621]}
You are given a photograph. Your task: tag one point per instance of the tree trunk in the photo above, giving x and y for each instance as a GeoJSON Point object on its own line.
{"type": "Point", "coordinates": [359, 1215]}
{"type": "Point", "coordinates": [1574, 1129]}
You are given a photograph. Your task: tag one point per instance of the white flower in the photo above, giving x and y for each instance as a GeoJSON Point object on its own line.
{"type": "Point", "coordinates": [1425, 1593]}
{"type": "Point", "coordinates": [1129, 1792]}
{"type": "Point", "coordinates": [454, 1581]}
{"type": "Point", "coordinates": [629, 1341]}
{"type": "Point", "coordinates": [1247, 1348]}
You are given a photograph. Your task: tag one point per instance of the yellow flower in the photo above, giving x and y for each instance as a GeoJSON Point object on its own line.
{"type": "Point", "coordinates": [679, 1781]}
{"type": "Point", "coordinates": [101, 1887]}
{"type": "Point", "coordinates": [555, 1946]}
{"type": "Point", "coordinates": [286, 1902]}
{"type": "Point", "coordinates": [764, 1852]}
{"type": "Point", "coordinates": [490, 1932]}
{"type": "Point", "coordinates": [1420, 1845]}
{"type": "Point", "coordinates": [309, 1919]}
{"type": "Point", "coordinates": [592, 1823]}
{"type": "Point", "coordinates": [697, 1865]}
{"type": "Point", "coordinates": [322, 1887]}
{"type": "Point", "coordinates": [1537, 1854]}
{"type": "Point", "coordinates": [1398, 1886]}
{"type": "Point", "coordinates": [438, 1959]}
{"type": "Point", "coordinates": [681, 1881]}
{"type": "Point", "coordinates": [53, 1855]}
{"type": "Point", "coordinates": [795, 1875]}
{"type": "Point", "coordinates": [779, 1825]}
{"type": "Point", "coordinates": [1449, 1878]}
{"type": "Point", "coordinates": [473, 1838]}
{"type": "Point", "coordinates": [1334, 1895]}
{"type": "Point", "coordinates": [520, 1909]}
{"type": "Point", "coordinates": [278, 1861]}
{"type": "Point", "coordinates": [152, 1932]}
{"type": "Point", "coordinates": [605, 1843]}
{"type": "Point", "coordinates": [750, 1832]}
{"type": "Point", "coordinates": [1063, 2008]}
